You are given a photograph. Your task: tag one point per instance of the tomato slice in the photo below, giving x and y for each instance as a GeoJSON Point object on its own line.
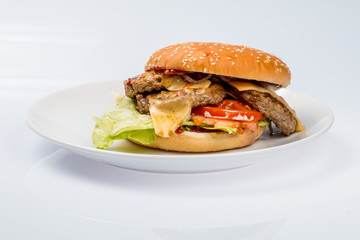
{"type": "Point", "coordinates": [198, 120]}
{"type": "Point", "coordinates": [246, 115]}
{"type": "Point", "coordinates": [228, 113]}
{"type": "Point", "coordinates": [233, 105]}
{"type": "Point", "coordinates": [250, 125]}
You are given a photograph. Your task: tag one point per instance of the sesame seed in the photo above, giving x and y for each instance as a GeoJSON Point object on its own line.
{"type": "Point", "coordinates": [187, 66]}
{"type": "Point", "coordinates": [201, 57]}
{"type": "Point", "coordinates": [213, 63]}
{"type": "Point", "coordinates": [205, 69]}
{"type": "Point", "coordinates": [233, 63]}
{"type": "Point", "coordinates": [189, 55]}
{"type": "Point", "coordinates": [228, 57]}
{"type": "Point", "coordinates": [220, 49]}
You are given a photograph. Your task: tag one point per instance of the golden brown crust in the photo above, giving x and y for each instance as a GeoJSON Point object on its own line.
{"type": "Point", "coordinates": [205, 142]}
{"type": "Point", "coordinates": [222, 59]}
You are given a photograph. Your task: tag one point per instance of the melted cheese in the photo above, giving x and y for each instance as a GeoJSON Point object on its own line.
{"type": "Point", "coordinates": [203, 85]}
{"type": "Point", "coordinates": [169, 114]}
{"type": "Point", "coordinates": [173, 83]}
{"type": "Point", "coordinates": [177, 83]}
{"type": "Point", "coordinates": [245, 86]}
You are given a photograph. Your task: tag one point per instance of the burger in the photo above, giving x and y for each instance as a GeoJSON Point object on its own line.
{"type": "Point", "coordinates": [200, 97]}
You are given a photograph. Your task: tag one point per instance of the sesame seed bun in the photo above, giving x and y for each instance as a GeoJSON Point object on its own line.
{"type": "Point", "coordinates": [222, 59]}
{"type": "Point", "coordinates": [205, 142]}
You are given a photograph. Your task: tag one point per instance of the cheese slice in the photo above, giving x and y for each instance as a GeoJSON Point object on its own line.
{"type": "Point", "coordinates": [246, 86]}
{"type": "Point", "coordinates": [173, 83]}
{"type": "Point", "coordinates": [169, 114]}
{"type": "Point", "coordinates": [203, 85]}
{"type": "Point", "coordinates": [177, 83]}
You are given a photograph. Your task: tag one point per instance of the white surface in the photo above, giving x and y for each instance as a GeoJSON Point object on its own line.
{"type": "Point", "coordinates": [64, 118]}
{"type": "Point", "coordinates": [307, 192]}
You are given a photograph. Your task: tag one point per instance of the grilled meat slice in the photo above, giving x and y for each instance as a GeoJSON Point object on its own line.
{"type": "Point", "coordinates": [142, 104]}
{"type": "Point", "coordinates": [143, 83]}
{"type": "Point", "coordinates": [271, 108]}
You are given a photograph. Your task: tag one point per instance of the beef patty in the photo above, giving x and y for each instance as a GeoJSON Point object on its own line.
{"type": "Point", "coordinates": [271, 108]}
{"type": "Point", "coordinates": [143, 83]}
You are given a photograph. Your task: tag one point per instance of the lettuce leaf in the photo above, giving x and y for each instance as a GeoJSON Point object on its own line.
{"type": "Point", "coordinates": [122, 122]}
{"type": "Point", "coordinates": [263, 122]}
{"type": "Point", "coordinates": [266, 122]}
{"type": "Point", "coordinates": [188, 124]}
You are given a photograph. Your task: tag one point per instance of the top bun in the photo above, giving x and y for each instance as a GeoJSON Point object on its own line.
{"type": "Point", "coordinates": [222, 59]}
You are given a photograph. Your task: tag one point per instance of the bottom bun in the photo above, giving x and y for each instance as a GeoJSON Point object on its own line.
{"type": "Point", "coordinates": [205, 142]}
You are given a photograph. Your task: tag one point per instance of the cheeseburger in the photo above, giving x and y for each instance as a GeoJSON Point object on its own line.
{"type": "Point", "coordinates": [200, 97]}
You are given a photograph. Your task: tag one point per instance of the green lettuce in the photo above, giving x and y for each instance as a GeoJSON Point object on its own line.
{"type": "Point", "coordinates": [188, 124]}
{"type": "Point", "coordinates": [264, 122]}
{"type": "Point", "coordinates": [122, 122]}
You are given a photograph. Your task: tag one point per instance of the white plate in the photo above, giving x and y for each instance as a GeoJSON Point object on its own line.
{"type": "Point", "coordinates": [65, 117]}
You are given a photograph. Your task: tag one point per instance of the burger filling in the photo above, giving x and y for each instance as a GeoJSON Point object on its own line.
{"type": "Point", "coordinates": [166, 102]}
{"type": "Point", "coordinates": [206, 103]}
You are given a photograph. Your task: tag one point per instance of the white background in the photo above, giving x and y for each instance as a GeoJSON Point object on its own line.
{"type": "Point", "coordinates": [308, 192]}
